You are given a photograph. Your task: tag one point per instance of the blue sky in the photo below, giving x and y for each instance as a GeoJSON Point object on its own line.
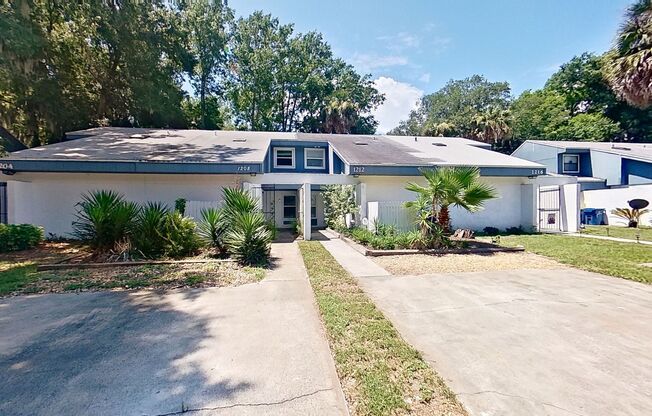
{"type": "Point", "coordinates": [412, 47]}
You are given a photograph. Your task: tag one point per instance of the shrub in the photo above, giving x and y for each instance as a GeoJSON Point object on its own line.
{"type": "Point", "coordinates": [180, 206]}
{"type": "Point", "coordinates": [491, 231]}
{"type": "Point", "coordinates": [104, 218]}
{"type": "Point", "coordinates": [514, 230]}
{"type": "Point", "coordinates": [179, 235]}
{"type": "Point", "coordinates": [19, 236]}
{"type": "Point", "coordinates": [339, 200]}
{"type": "Point", "coordinates": [212, 227]}
{"type": "Point", "coordinates": [383, 243]}
{"type": "Point", "coordinates": [408, 240]}
{"type": "Point", "coordinates": [362, 235]}
{"type": "Point", "coordinates": [249, 238]}
{"type": "Point", "coordinates": [147, 237]}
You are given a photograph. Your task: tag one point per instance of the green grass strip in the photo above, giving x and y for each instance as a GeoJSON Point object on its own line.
{"type": "Point", "coordinates": [380, 373]}
{"type": "Point", "coordinates": [601, 256]}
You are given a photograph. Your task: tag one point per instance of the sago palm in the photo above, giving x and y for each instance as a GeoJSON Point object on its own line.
{"type": "Point", "coordinates": [633, 216]}
{"type": "Point", "coordinates": [628, 66]}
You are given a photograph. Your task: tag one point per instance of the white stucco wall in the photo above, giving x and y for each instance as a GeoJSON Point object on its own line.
{"type": "Point", "coordinates": [617, 198]}
{"type": "Point", "coordinates": [49, 199]}
{"type": "Point", "coordinates": [502, 212]}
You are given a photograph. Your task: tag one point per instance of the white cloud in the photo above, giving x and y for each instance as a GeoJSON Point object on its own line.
{"type": "Point", "coordinates": [425, 77]}
{"type": "Point", "coordinates": [368, 62]}
{"type": "Point", "coordinates": [400, 41]}
{"type": "Point", "coordinates": [400, 99]}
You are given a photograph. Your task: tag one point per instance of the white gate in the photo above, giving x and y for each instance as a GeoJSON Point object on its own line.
{"type": "Point", "coordinates": [391, 213]}
{"type": "Point", "coordinates": [549, 209]}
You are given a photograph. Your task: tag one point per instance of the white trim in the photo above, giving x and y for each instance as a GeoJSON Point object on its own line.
{"type": "Point", "coordinates": [294, 159]}
{"type": "Point", "coordinates": [563, 163]}
{"type": "Point", "coordinates": [323, 158]}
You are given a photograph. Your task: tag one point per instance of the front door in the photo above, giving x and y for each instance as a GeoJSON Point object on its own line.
{"type": "Point", "coordinates": [287, 208]}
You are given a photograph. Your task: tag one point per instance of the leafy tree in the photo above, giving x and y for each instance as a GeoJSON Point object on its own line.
{"type": "Point", "coordinates": [282, 81]}
{"type": "Point", "coordinates": [207, 21]}
{"type": "Point", "coordinates": [539, 115]}
{"type": "Point", "coordinates": [217, 115]}
{"type": "Point", "coordinates": [589, 127]}
{"type": "Point", "coordinates": [456, 104]}
{"type": "Point", "coordinates": [628, 67]}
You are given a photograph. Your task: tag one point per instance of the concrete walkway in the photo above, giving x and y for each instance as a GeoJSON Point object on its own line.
{"type": "Point", "coordinates": [353, 262]}
{"type": "Point", "coordinates": [529, 342]}
{"type": "Point", "coordinates": [620, 240]}
{"type": "Point", "coordinates": [256, 349]}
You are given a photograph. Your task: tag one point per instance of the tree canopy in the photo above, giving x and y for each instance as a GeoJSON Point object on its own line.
{"type": "Point", "coordinates": [73, 65]}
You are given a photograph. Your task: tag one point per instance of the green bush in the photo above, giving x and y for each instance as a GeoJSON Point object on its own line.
{"type": "Point", "coordinates": [249, 238]}
{"type": "Point", "coordinates": [104, 218]}
{"type": "Point", "coordinates": [147, 237]}
{"type": "Point", "coordinates": [19, 237]}
{"type": "Point", "coordinates": [179, 234]}
{"type": "Point", "coordinates": [491, 231]}
{"type": "Point", "coordinates": [237, 201]}
{"type": "Point", "coordinates": [212, 227]}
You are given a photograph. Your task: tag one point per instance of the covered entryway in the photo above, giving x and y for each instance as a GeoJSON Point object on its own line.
{"type": "Point", "coordinates": [285, 205]}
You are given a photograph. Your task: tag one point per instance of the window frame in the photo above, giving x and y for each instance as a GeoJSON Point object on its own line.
{"type": "Point", "coordinates": [294, 159]}
{"type": "Point", "coordinates": [563, 163]}
{"type": "Point", "coordinates": [323, 158]}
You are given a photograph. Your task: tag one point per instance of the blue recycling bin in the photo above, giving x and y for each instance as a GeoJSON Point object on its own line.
{"type": "Point", "coordinates": [593, 216]}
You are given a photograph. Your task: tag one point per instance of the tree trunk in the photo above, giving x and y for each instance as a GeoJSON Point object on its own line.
{"type": "Point", "coordinates": [444, 218]}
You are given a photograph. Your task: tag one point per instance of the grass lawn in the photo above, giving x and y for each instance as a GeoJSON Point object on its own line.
{"type": "Point", "coordinates": [600, 256]}
{"type": "Point", "coordinates": [380, 373]}
{"type": "Point", "coordinates": [18, 274]}
{"type": "Point", "coordinates": [619, 232]}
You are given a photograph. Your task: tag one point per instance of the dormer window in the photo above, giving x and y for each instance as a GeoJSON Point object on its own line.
{"type": "Point", "coordinates": [315, 158]}
{"type": "Point", "coordinates": [571, 163]}
{"type": "Point", "coordinates": [284, 157]}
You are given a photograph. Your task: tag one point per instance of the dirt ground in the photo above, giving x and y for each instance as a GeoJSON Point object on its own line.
{"type": "Point", "coordinates": [416, 264]}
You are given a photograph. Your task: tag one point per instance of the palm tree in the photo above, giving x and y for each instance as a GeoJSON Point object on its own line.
{"type": "Point", "coordinates": [628, 66]}
{"type": "Point", "coordinates": [493, 125]}
{"type": "Point", "coordinates": [451, 186]}
{"type": "Point", "coordinates": [632, 215]}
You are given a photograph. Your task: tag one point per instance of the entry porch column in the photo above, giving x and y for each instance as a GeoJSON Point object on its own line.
{"type": "Point", "coordinates": [306, 217]}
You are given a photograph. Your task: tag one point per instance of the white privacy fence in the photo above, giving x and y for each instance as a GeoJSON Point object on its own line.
{"type": "Point", "coordinates": [193, 208]}
{"type": "Point", "coordinates": [390, 213]}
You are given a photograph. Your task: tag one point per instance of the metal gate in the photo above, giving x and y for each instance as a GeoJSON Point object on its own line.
{"type": "Point", "coordinates": [3, 203]}
{"type": "Point", "coordinates": [549, 209]}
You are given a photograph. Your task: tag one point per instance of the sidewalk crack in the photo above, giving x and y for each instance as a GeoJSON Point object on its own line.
{"type": "Point", "coordinates": [231, 406]}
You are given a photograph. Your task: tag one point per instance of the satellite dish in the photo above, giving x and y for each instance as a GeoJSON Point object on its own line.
{"type": "Point", "coordinates": [638, 203]}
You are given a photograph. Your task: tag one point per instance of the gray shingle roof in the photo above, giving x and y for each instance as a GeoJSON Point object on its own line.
{"type": "Point", "coordinates": [204, 146]}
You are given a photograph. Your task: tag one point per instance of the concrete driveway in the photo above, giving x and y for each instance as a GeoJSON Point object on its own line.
{"type": "Point", "coordinates": [254, 349]}
{"type": "Point", "coordinates": [529, 342]}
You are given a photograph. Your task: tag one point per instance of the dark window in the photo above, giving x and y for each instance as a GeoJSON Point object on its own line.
{"type": "Point", "coordinates": [3, 203]}
{"type": "Point", "coordinates": [284, 158]}
{"type": "Point", "coordinates": [571, 163]}
{"type": "Point", "coordinates": [313, 215]}
{"type": "Point", "coordinates": [289, 206]}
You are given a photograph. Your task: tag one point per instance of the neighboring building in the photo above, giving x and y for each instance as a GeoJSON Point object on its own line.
{"type": "Point", "coordinates": [280, 169]}
{"type": "Point", "coordinates": [597, 165]}
{"type": "Point", "coordinates": [609, 174]}
{"type": "Point", "coordinates": [8, 143]}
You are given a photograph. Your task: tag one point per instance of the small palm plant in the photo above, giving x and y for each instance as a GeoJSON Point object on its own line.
{"type": "Point", "coordinates": [105, 219]}
{"type": "Point", "coordinates": [633, 216]}
{"type": "Point", "coordinates": [148, 238]}
{"type": "Point", "coordinates": [452, 186]}
{"type": "Point", "coordinates": [249, 238]}
{"type": "Point", "coordinates": [212, 227]}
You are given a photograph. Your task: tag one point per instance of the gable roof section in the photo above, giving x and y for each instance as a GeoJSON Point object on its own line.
{"type": "Point", "coordinates": [137, 150]}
